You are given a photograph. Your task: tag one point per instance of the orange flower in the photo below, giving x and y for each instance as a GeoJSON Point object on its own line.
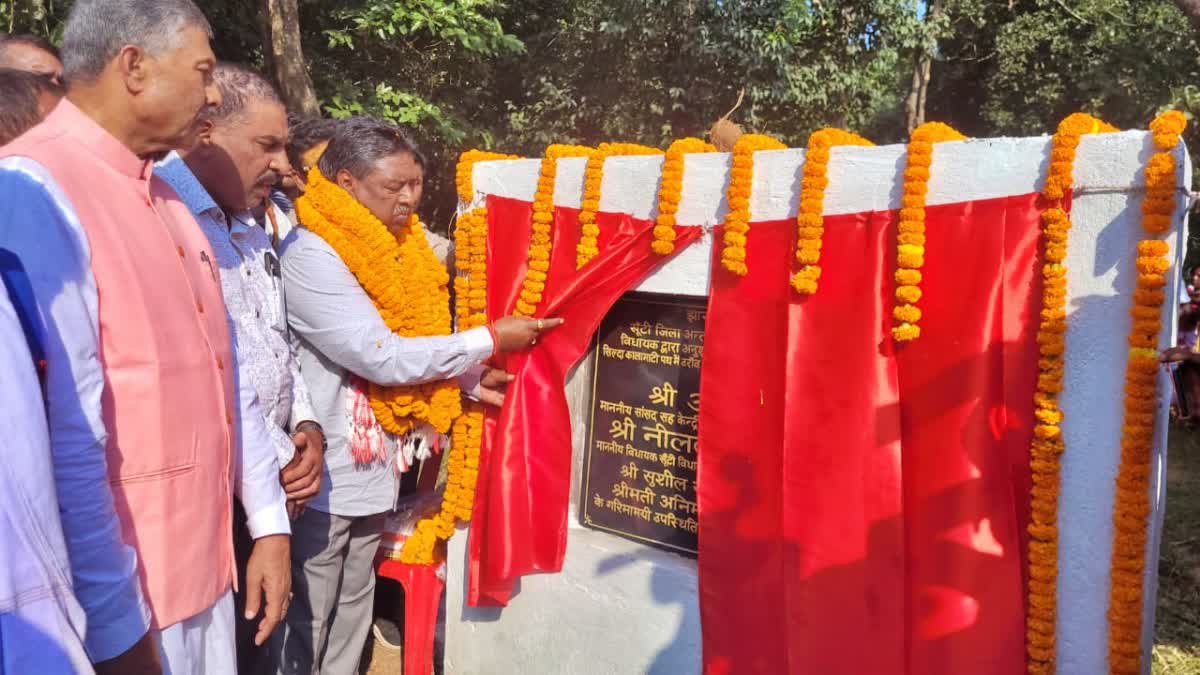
{"type": "Point", "coordinates": [1047, 445]}
{"type": "Point", "coordinates": [670, 189]}
{"type": "Point", "coordinates": [543, 216]}
{"type": "Point", "coordinates": [465, 170]}
{"type": "Point", "coordinates": [741, 181]}
{"type": "Point", "coordinates": [593, 176]}
{"type": "Point", "coordinates": [1132, 505]}
{"type": "Point", "coordinates": [810, 221]}
{"type": "Point", "coordinates": [406, 281]}
{"type": "Point", "coordinates": [910, 256]}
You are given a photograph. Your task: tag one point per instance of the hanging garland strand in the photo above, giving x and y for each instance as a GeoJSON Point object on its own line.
{"type": "Point", "coordinates": [910, 254]}
{"type": "Point", "coordinates": [741, 182]}
{"type": "Point", "coordinates": [592, 177]}
{"type": "Point", "coordinates": [466, 435]}
{"type": "Point", "coordinates": [811, 221]}
{"type": "Point", "coordinates": [464, 172]}
{"type": "Point", "coordinates": [670, 189]}
{"type": "Point", "coordinates": [1131, 508]}
{"type": "Point", "coordinates": [534, 283]}
{"type": "Point", "coordinates": [1046, 447]}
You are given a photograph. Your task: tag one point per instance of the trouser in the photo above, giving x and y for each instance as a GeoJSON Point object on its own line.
{"type": "Point", "coordinates": [333, 579]}
{"type": "Point", "coordinates": [251, 659]}
{"type": "Point", "coordinates": [202, 644]}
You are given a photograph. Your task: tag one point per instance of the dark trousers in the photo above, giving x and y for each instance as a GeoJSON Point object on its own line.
{"type": "Point", "coordinates": [252, 660]}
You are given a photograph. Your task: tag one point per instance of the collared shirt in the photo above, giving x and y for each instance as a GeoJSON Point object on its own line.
{"type": "Point", "coordinates": [41, 622]}
{"type": "Point", "coordinates": [40, 225]}
{"type": "Point", "coordinates": [252, 285]}
{"type": "Point", "coordinates": [341, 333]}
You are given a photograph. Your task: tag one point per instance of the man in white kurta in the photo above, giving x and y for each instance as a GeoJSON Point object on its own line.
{"type": "Point", "coordinates": [143, 418]}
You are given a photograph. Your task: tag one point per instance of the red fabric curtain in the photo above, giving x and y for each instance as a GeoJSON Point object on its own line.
{"type": "Point", "coordinates": [863, 504]}
{"type": "Point", "coordinates": [519, 525]}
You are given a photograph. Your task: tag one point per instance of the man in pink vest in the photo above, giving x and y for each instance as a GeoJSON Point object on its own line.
{"type": "Point", "coordinates": [142, 404]}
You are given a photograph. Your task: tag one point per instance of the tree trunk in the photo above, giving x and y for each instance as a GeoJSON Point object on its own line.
{"type": "Point", "coordinates": [1192, 9]}
{"type": "Point", "coordinates": [280, 25]}
{"type": "Point", "coordinates": [914, 103]}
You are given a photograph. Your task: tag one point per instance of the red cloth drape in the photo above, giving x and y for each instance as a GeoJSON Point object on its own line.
{"type": "Point", "coordinates": [863, 504]}
{"type": "Point", "coordinates": [519, 523]}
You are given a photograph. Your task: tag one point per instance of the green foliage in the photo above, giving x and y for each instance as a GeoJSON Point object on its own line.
{"type": "Point", "coordinates": [519, 74]}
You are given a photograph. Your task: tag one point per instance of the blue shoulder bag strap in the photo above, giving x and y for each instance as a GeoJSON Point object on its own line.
{"type": "Point", "coordinates": [20, 292]}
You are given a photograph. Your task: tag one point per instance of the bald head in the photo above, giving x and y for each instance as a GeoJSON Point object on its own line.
{"type": "Point", "coordinates": [31, 54]}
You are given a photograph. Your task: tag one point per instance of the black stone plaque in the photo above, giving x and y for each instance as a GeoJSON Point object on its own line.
{"type": "Point", "coordinates": [639, 476]}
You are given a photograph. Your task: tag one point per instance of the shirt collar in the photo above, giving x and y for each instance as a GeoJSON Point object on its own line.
{"type": "Point", "coordinates": [95, 138]}
{"type": "Point", "coordinates": [177, 174]}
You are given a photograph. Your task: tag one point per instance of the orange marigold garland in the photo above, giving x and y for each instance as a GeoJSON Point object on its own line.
{"type": "Point", "coordinates": [1047, 446]}
{"type": "Point", "coordinates": [741, 182]}
{"type": "Point", "coordinates": [910, 255]}
{"type": "Point", "coordinates": [1131, 507]}
{"type": "Point", "coordinates": [670, 190]}
{"type": "Point", "coordinates": [466, 436]}
{"type": "Point", "coordinates": [592, 177]}
{"type": "Point", "coordinates": [464, 172]}
{"type": "Point", "coordinates": [543, 219]}
{"type": "Point", "coordinates": [408, 285]}
{"type": "Point", "coordinates": [810, 221]}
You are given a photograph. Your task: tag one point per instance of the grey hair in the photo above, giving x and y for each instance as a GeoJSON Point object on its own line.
{"type": "Point", "coordinates": [239, 86]}
{"type": "Point", "coordinates": [97, 30]}
{"type": "Point", "coordinates": [359, 142]}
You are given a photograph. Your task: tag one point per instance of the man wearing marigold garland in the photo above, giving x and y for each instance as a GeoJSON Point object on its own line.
{"type": "Point", "coordinates": [369, 301]}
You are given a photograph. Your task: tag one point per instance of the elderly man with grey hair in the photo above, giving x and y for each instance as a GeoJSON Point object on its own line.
{"type": "Point", "coordinates": [140, 396]}
{"type": "Point", "coordinates": [239, 154]}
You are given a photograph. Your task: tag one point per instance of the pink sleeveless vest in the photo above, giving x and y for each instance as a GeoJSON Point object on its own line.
{"type": "Point", "coordinates": [168, 405]}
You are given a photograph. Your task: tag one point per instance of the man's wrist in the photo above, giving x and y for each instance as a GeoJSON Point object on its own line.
{"type": "Point", "coordinates": [309, 425]}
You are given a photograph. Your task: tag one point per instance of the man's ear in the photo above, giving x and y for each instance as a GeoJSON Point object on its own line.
{"type": "Point", "coordinates": [204, 132]}
{"type": "Point", "coordinates": [131, 63]}
{"type": "Point", "coordinates": [346, 180]}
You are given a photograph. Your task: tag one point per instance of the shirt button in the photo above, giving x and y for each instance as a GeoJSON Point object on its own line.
{"type": "Point", "coordinates": [228, 418]}
{"type": "Point", "coordinates": [180, 250]}
{"type": "Point", "coordinates": [200, 306]}
{"type": "Point", "coordinates": [220, 363]}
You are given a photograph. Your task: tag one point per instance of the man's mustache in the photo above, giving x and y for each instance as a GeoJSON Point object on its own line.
{"type": "Point", "coordinates": [269, 179]}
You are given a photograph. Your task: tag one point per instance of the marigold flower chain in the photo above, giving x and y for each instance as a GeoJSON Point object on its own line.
{"type": "Point", "coordinates": [811, 221]}
{"type": "Point", "coordinates": [670, 189]}
{"type": "Point", "coordinates": [1047, 446]}
{"type": "Point", "coordinates": [910, 255]}
{"type": "Point", "coordinates": [465, 170]}
{"type": "Point", "coordinates": [741, 182]}
{"type": "Point", "coordinates": [406, 281]}
{"type": "Point", "coordinates": [534, 283]}
{"type": "Point", "coordinates": [466, 437]}
{"type": "Point", "coordinates": [1131, 508]}
{"type": "Point", "coordinates": [593, 175]}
